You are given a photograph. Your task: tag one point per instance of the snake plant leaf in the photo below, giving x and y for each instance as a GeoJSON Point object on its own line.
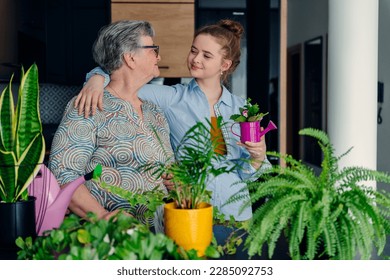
{"type": "Point", "coordinates": [29, 163]}
{"type": "Point", "coordinates": [22, 146]}
{"type": "Point", "coordinates": [7, 175]}
{"type": "Point", "coordinates": [7, 119]}
{"type": "Point", "coordinates": [28, 116]}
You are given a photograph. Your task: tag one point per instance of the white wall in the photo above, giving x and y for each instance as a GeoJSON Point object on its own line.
{"type": "Point", "coordinates": [308, 19]}
{"type": "Point", "coordinates": [384, 76]}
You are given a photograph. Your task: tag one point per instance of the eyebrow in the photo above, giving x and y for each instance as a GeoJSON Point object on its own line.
{"type": "Point", "coordinates": [206, 52]}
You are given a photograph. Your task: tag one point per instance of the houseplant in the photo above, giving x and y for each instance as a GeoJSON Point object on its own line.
{"type": "Point", "coordinates": [333, 215]}
{"type": "Point", "coordinates": [120, 238]}
{"type": "Point", "coordinates": [189, 215]}
{"type": "Point", "coordinates": [249, 120]}
{"type": "Point", "coordinates": [22, 149]}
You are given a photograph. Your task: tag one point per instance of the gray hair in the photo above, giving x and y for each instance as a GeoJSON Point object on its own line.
{"type": "Point", "coordinates": [116, 39]}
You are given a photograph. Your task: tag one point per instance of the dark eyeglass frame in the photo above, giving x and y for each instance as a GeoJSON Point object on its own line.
{"type": "Point", "coordinates": [154, 47]}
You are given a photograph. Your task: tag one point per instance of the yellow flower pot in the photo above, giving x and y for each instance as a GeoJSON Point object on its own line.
{"type": "Point", "coordinates": [189, 228]}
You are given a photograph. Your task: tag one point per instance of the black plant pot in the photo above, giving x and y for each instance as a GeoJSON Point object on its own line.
{"type": "Point", "coordinates": [16, 219]}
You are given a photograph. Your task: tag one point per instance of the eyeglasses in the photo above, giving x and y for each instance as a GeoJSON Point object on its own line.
{"type": "Point", "coordinates": [155, 48]}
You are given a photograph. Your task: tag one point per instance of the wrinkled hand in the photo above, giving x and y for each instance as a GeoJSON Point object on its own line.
{"type": "Point", "coordinates": [90, 96]}
{"type": "Point", "coordinates": [167, 181]}
{"type": "Point", "coordinates": [257, 151]}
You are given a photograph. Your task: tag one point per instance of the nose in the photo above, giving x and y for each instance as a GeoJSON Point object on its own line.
{"type": "Point", "coordinates": [196, 58]}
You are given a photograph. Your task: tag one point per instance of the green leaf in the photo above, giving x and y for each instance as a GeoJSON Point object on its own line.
{"type": "Point", "coordinates": [97, 172]}
{"type": "Point", "coordinates": [240, 118]}
{"type": "Point", "coordinates": [57, 236]}
{"type": "Point", "coordinates": [7, 128]}
{"type": "Point", "coordinates": [20, 242]}
{"type": "Point", "coordinates": [28, 116]}
{"type": "Point", "coordinates": [103, 249]}
{"type": "Point", "coordinates": [83, 236]}
{"type": "Point", "coordinates": [235, 116]}
{"type": "Point", "coordinates": [212, 252]}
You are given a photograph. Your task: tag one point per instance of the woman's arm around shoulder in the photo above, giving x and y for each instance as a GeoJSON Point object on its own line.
{"type": "Point", "coordinates": [91, 95]}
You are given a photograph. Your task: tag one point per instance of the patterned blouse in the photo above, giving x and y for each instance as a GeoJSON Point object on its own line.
{"type": "Point", "coordinates": [119, 140]}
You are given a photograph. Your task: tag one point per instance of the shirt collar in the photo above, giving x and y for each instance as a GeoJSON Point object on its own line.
{"type": "Point", "coordinates": [226, 97]}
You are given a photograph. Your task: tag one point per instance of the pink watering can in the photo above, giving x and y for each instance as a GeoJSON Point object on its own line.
{"type": "Point", "coordinates": [51, 201]}
{"type": "Point", "coordinates": [250, 131]}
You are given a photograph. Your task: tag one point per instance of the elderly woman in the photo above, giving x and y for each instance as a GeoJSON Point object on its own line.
{"type": "Point", "coordinates": [128, 134]}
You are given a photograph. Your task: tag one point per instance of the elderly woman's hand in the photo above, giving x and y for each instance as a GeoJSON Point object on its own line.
{"type": "Point", "coordinates": [167, 181]}
{"type": "Point", "coordinates": [90, 96]}
{"type": "Point", "coordinates": [257, 151]}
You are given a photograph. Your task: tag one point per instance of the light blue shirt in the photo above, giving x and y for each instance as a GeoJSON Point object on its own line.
{"type": "Point", "coordinates": [183, 106]}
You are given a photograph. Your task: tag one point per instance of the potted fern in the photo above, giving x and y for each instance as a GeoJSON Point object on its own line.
{"type": "Point", "coordinates": [333, 215]}
{"type": "Point", "coordinates": [188, 218]}
{"type": "Point", "coordinates": [22, 149]}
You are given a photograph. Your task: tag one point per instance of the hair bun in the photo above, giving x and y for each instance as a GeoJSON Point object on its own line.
{"type": "Point", "coordinates": [233, 26]}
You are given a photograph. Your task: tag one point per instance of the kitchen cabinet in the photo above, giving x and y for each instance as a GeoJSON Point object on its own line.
{"type": "Point", "coordinates": [174, 23]}
{"type": "Point", "coordinates": [58, 35]}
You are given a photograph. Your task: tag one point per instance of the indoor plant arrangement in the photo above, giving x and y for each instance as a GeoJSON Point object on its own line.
{"type": "Point", "coordinates": [332, 215]}
{"type": "Point", "coordinates": [120, 238]}
{"type": "Point", "coordinates": [249, 120]}
{"type": "Point", "coordinates": [22, 150]}
{"type": "Point", "coordinates": [194, 164]}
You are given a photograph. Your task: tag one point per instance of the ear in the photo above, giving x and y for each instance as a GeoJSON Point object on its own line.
{"type": "Point", "coordinates": [226, 63]}
{"type": "Point", "coordinates": [128, 59]}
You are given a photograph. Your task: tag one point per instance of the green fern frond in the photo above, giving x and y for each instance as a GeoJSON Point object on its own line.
{"type": "Point", "coordinates": [317, 134]}
{"type": "Point", "coordinates": [331, 240]}
{"type": "Point", "coordinates": [333, 215]}
{"type": "Point", "coordinates": [275, 235]}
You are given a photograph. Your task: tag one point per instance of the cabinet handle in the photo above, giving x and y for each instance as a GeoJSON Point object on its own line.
{"type": "Point", "coordinates": [163, 67]}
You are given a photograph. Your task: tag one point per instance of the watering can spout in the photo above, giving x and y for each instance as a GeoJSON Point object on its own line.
{"type": "Point", "coordinates": [270, 126]}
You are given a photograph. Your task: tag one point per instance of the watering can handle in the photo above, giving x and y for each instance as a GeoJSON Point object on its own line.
{"type": "Point", "coordinates": [231, 128]}
{"type": "Point", "coordinates": [95, 174]}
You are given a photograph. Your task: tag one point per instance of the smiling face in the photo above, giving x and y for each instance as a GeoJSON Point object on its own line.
{"type": "Point", "coordinates": [205, 59]}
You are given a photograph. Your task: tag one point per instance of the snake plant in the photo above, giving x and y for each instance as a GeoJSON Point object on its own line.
{"type": "Point", "coordinates": [22, 146]}
{"type": "Point", "coordinates": [332, 215]}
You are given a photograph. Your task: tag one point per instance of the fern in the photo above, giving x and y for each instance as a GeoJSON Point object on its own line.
{"type": "Point", "coordinates": [331, 215]}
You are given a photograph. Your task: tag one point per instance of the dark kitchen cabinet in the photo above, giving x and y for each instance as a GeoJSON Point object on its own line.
{"type": "Point", "coordinates": [58, 36]}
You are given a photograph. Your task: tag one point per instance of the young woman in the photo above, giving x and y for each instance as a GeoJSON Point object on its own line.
{"type": "Point", "coordinates": [214, 55]}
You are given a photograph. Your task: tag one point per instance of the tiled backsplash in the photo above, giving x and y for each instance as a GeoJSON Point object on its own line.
{"type": "Point", "coordinates": [52, 100]}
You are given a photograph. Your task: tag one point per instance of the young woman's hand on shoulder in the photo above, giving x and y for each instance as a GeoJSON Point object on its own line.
{"type": "Point", "coordinates": [91, 96]}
